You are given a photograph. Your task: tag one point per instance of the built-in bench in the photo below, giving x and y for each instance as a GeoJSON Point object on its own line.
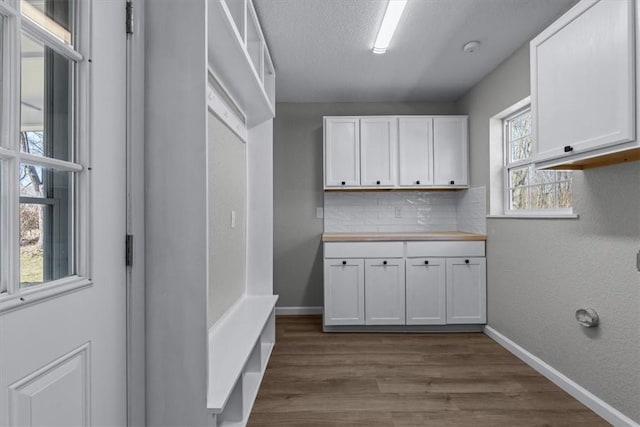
{"type": "Point", "coordinates": [240, 344]}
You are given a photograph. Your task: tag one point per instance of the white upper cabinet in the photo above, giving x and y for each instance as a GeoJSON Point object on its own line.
{"type": "Point", "coordinates": [450, 151]}
{"type": "Point", "coordinates": [583, 80]}
{"type": "Point", "coordinates": [342, 152]}
{"type": "Point", "coordinates": [378, 145]}
{"type": "Point", "coordinates": [395, 152]}
{"type": "Point", "coordinates": [415, 149]}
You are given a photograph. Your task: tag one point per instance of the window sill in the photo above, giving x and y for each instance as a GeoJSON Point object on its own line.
{"type": "Point", "coordinates": [42, 292]}
{"type": "Point", "coordinates": [534, 216]}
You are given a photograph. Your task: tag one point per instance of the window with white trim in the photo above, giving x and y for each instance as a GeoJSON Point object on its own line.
{"type": "Point", "coordinates": [528, 190]}
{"type": "Point", "coordinates": [42, 165]}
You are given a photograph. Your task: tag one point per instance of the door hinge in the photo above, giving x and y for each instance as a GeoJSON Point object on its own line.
{"type": "Point", "coordinates": [129, 19]}
{"type": "Point", "coordinates": [128, 254]}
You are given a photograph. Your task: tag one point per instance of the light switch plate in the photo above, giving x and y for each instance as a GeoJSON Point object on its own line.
{"type": "Point", "coordinates": [319, 213]}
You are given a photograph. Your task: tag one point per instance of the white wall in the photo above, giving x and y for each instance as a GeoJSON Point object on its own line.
{"type": "Point", "coordinates": [175, 147]}
{"type": "Point", "coordinates": [540, 271]}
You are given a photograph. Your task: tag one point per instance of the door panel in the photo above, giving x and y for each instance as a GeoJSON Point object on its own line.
{"type": "Point", "coordinates": [342, 151]}
{"type": "Point", "coordinates": [384, 292]}
{"type": "Point", "coordinates": [378, 145]}
{"type": "Point", "coordinates": [466, 290]}
{"type": "Point", "coordinates": [415, 147]}
{"type": "Point", "coordinates": [450, 147]}
{"type": "Point", "coordinates": [426, 291]}
{"type": "Point", "coordinates": [344, 292]}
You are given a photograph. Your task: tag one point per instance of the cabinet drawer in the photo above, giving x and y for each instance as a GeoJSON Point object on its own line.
{"type": "Point", "coordinates": [445, 249]}
{"type": "Point", "coordinates": [364, 250]}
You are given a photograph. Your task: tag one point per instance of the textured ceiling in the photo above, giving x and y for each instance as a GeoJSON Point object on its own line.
{"type": "Point", "coordinates": [322, 48]}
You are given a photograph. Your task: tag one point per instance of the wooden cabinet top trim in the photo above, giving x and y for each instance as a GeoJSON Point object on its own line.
{"type": "Point", "coordinates": [404, 237]}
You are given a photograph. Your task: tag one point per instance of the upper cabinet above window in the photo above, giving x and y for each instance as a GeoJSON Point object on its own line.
{"type": "Point", "coordinates": [583, 86]}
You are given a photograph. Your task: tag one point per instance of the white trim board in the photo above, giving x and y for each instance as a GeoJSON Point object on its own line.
{"type": "Point", "coordinates": [293, 311]}
{"type": "Point", "coordinates": [593, 402]}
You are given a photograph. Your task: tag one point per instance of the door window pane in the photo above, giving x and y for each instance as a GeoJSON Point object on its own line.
{"type": "Point", "coordinates": [56, 16]}
{"type": "Point", "coordinates": [46, 127]}
{"type": "Point", "coordinates": [46, 224]}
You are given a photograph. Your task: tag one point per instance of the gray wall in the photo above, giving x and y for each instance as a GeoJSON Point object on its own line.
{"type": "Point", "coordinates": [298, 191]}
{"type": "Point", "coordinates": [540, 271]}
{"type": "Point", "coordinates": [227, 192]}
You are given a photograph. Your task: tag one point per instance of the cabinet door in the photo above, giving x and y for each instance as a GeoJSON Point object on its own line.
{"type": "Point", "coordinates": [342, 152]}
{"type": "Point", "coordinates": [466, 290]}
{"type": "Point", "coordinates": [384, 292]}
{"type": "Point", "coordinates": [426, 291]}
{"type": "Point", "coordinates": [343, 292]}
{"type": "Point", "coordinates": [415, 148]}
{"type": "Point", "coordinates": [378, 144]}
{"type": "Point", "coordinates": [582, 78]}
{"type": "Point", "coordinates": [450, 151]}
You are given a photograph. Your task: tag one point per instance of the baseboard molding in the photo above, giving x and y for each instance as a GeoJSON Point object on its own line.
{"type": "Point", "coordinates": [292, 311]}
{"type": "Point", "coordinates": [593, 402]}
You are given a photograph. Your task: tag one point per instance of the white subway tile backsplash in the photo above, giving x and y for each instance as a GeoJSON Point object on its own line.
{"type": "Point", "coordinates": [418, 211]}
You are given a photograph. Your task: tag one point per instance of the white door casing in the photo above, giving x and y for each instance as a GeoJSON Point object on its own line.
{"type": "Point", "coordinates": [63, 358]}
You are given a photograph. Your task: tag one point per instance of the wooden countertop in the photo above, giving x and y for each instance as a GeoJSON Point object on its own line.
{"type": "Point", "coordinates": [406, 236]}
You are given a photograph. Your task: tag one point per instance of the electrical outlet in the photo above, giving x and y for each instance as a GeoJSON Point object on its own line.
{"type": "Point", "coordinates": [398, 212]}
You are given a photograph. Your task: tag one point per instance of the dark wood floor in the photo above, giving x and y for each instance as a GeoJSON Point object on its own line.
{"type": "Point", "coordinates": [332, 379]}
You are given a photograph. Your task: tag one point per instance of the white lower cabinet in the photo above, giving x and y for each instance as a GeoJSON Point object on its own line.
{"type": "Point", "coordinates": [384, 292]}
{"type": "Point", "coordinates": [426, 289]}
{"type": "Point", "coordinates": [466, 290]}
{"type": "Point", "coordinates": [421, 283]}
{"type": "Point", "coordinates": [344, 291]}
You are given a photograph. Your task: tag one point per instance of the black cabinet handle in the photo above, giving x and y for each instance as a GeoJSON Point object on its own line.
{"type": "Point", "coordinates": [384, 262]}
{"type": "Point", "coordinates": [426, 263]}
{"type": "Point", "coordinates": [377, 182]}
{"type": "Point", "coordinates": [418, 182]}
{"type": "Point", "coordinates": [466, 261]}
{"type": "Point", "coordinates": [568, 148]}
{"type": "Point", "coordinates": [343, 182]}
{"type": "Point", "coordinates": [344, 262]}
{"type": "Point", "coordinates": [452, 182]}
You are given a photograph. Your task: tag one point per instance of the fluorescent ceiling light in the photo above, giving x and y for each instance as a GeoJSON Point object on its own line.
{"type": "Point", "coordinates": [389, 23]}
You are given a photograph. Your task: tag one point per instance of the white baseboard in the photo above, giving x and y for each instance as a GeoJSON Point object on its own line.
{"type": "Point", "coordinates": [292, 311]}
{"type": "Point", "coordinates": [593, 402]}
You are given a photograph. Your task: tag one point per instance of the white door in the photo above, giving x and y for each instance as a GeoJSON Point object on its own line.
{"type": "Point", "coordinates": [344, 292]}
{"type": "Point", "coordinates": [378, 145]}
{"type": "Point", "coordinates": [426, 291]}
{"type": "Point", "coordinates": [384, 291]}
{"type": "Point", "coordinates": [415, 148]}
{"type": "Point", "coordinates": [466, 290]}
{"type": "Point", "coordinates": [62, 159]}
{"type": "Point", "coordinates": [342, 152]}
{"type": "Point", "coordinates": [450, 151]}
